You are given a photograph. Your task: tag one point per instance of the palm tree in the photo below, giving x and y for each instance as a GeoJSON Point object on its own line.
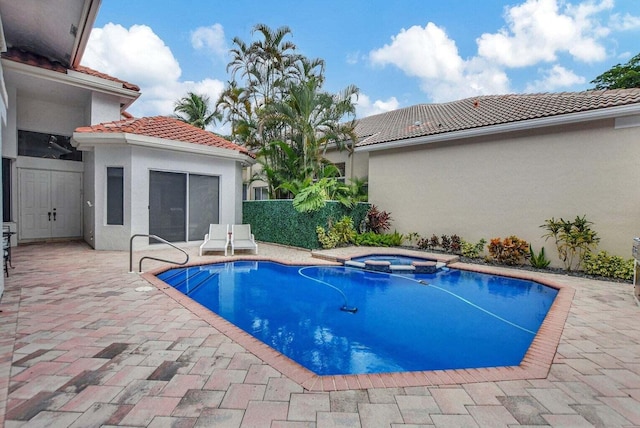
{"type": "Point", "coordinates": [313, 120]}
{"type": "Point", "coordinates": [194, 109]}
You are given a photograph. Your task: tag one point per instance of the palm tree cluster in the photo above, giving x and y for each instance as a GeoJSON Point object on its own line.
{"type": "Point", "coordinates": [276, 107]}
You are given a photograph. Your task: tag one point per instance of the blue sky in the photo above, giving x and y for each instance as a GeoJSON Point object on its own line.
{"type": "Point", "coordinates": [397, 52]}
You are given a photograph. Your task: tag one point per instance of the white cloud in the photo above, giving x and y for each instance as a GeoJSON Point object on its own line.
{"type": "Point", "coordinates": [538, 30]}
{"type": "Point", "coordinates": [555, 78]}
{"type": "Point", "coordinates": [139, 56]}
{"type": "Point", "coordinates": [364, 106]}
{"type": "Point", "coordinates": [535, 32]}
{"type": "Point", "coordinates": [429, 54]}
{"type": "Point", "coordinates": [210, 39]}
{"type": "Point", "coordinates": [624, 22]}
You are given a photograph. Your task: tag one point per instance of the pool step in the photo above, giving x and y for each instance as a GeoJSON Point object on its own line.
{"type": "Point", "coordinates": [385, 266]}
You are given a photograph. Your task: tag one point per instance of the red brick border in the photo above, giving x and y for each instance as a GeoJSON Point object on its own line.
{"type": "Point", "coordinates": [535, 364]}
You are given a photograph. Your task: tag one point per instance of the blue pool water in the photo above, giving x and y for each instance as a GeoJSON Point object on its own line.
{"type": "Point", "coordinates": [446, 320]}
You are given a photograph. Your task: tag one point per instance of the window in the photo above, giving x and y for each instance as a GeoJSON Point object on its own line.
{"type": "Point", "coordinates": [115, 195]}
{"type": "Point", "coordinates": [245, 191]}
{"type": "Point", "coordinates": [6, 189]}
{"type": "Point", "coordinates": [260, 193]}
{"type": "Point", "coordinates": [49, 146]}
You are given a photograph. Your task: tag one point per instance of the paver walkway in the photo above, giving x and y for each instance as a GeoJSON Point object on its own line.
{"type": "Point", "coordinates": [80, 347]}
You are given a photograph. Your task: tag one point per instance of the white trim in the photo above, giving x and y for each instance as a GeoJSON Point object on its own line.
{"type": "Point", "coordinates": [86, 141]}
{"type": "Point", "coordinates": [627, 122]}
{"type": "Point", "coordinates": [73, 78]}
{"type": "Point", "coordinates": [564, 119]}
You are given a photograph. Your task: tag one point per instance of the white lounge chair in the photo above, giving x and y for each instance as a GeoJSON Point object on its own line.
{"type": "Point", "coordinates": [242, 238]}
{"type": "Point", "coordinates": [217, 239]}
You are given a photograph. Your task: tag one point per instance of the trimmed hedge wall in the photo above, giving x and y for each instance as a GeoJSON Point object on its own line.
{"type": "Point", "coordinates": [278, 222]}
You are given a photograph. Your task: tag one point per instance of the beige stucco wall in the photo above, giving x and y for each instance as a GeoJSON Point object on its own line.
{"type": "Point", "coordinates": [356, 165]}
{"type": "Point", "coordinates": [496, 187]}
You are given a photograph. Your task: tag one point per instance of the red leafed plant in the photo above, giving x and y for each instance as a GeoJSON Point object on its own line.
{"type": "Point", "coordinates": [509, 251]}
{"type": "Point", "coordinates": [378, 221]}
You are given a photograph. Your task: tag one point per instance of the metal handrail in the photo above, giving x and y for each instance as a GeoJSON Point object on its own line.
{"type": "Point", "coordinates": [157, 238]}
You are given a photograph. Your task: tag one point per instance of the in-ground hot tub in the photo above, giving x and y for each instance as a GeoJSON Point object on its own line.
{"type": "Point", "coordinates": [395, 263]}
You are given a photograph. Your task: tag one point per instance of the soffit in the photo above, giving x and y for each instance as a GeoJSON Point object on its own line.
{"type": "Point", "coordinates": [55, 29]}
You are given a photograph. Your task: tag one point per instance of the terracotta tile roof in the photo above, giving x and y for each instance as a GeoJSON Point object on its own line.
{"type": "Point", "coordinates": [432, 119]}
{"type": "Point", "coordinates": [166, 128]}
{"type": "Point", "coordinates": [35, 60]}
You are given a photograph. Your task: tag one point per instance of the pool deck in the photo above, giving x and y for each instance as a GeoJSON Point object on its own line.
{"type": "Point", "coordinates": [80, 346]}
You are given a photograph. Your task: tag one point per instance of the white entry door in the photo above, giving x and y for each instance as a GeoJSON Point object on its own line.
{"type": "Point", "coordinates": [50, 204]}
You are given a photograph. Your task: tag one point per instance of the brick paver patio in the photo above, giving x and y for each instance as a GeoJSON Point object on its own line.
{"type": "Point", "coordinates": [82, 345]}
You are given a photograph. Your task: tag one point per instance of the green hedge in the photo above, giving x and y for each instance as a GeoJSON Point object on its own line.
{"type": "Point", "coordinates": [276, 221]}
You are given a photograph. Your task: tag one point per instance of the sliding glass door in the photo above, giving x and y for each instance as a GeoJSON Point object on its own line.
{"type": "Point", "coordinates": [203, 204]}
{"type": "Point", "coordinates": [181, 206]}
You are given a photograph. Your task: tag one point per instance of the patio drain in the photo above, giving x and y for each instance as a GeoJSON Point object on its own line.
{"type": "Point", "coordinates": [144, 288]}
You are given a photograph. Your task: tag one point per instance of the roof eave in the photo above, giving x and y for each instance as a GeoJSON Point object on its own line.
{"type": "Point", "coordinates": [88, 140]}
{"type": "Point", "coordinates": [543, 122]}
{"type": "Point", "coordinates": [77, 79]}
{"type": "Point", "coordinates": [89, 15]}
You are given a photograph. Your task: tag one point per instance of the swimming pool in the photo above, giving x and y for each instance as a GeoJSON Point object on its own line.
{"type": "Point", "coordinates": [448, 320]}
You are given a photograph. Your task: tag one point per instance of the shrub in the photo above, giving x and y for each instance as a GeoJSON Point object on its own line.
{"type": "Point", "coordinates": [445, 243]}
{"type": "Point", "coordinates": [456, 244]}
{"type": "Point", "coordinates": [327, 240]}
{"type": "Point", "coordinates": [573, 239]}
{"type": "Point", "coordinates": [540, 260]}
{"type": "Point", "coordinates": [429, 243]}
{"type": "Point", "coordinates": [412, 237]}
{"type": "Point", "coordinates": [377, 221]}
{"type": "Point", "coordinates": [471, 250]}
{"type": "Point", "coordinates": [603, 264]}
{"type": "Point", "coordinates": [510, 251]}
{"type": "Point", "coordinates": [340, 233]}
{"type": "Point", "coordinates": [372, 239]}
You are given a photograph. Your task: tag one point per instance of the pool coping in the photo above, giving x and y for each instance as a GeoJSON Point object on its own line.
{"type": "Point", "coordinates": [535, 364]}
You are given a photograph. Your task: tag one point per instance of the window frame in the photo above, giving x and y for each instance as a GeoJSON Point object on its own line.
{"type": "Point", "coordinates": [112, 200]}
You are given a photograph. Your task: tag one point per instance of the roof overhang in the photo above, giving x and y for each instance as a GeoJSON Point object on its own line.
{"type": "Point", "coordinates": [74, 79]}
{"type": "Point", "coordinates": [87, 141]}
{"type": "Point", "coordinates": [56, 29]}
{"type": "Point", "coordinates": [544, 122]}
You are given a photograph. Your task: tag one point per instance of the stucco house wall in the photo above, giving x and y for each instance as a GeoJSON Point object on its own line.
{"type": "Point", "coordinates": [501, 185]}
{"type": "Point", "coordinates": [137, 162]}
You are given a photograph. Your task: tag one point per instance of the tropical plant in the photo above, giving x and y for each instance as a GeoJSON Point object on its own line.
{"type": "Point", "coordinates": [539, 260]}
{"type": "Point", "coordinates": [377, 221]}
{"type": "Point", "coordinates": [445, 243]}
{"type": "Point", "coordinates": [412, 237]}
{"type": "Point", "coordinates": [315, 195]}
{"type": "Point", "coordinates": [194, 109]}
{"type": "Point", "coordinates": [573, 239]}
{"type": "Point", "coordinates": [277, 107]}
{"type": "Point", "coordinates": [471, 250]}
{"type": "Point", "coordinates": [359, 189]}
{"type": "Point", "coordinates": [373, 239]}
{"type": "Point", "coordinates": [311, 119]}
{"type": "Point", "coordinates": [509, 251]}
{"type": "Point", "coordinates": [340, 233]}
{"type": "Point", "coordinates": [456, 244]}
{"type": "Point", "coordinates": [604, 264]}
